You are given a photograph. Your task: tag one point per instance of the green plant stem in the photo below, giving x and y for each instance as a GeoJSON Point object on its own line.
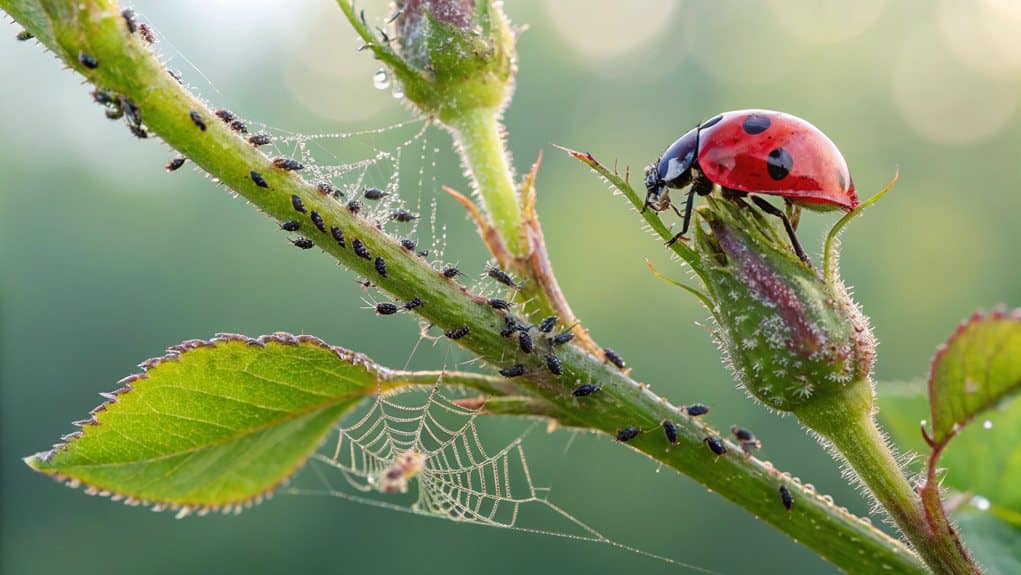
{"type": "Point", "coordinates": [478, 134]}
{"type": "Point", "coordinates": [847, 422]}
{"type": "Point", "coordinates": [128, 67]}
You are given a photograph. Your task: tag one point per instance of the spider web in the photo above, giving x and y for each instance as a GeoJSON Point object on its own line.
{"type": "Point", "coordinates": [459, 479]}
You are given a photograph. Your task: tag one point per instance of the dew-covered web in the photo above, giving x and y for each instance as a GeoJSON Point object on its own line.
{"type": "Point", "coordinates": [414, 450]}
{"type": "Point", "coordinates": [419, 451]}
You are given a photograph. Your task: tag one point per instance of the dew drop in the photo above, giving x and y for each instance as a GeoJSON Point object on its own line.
{"type": "Point", "coordinates": [981, 503]}
{"type": "Point", "coordinates": [987, 424]}
{"type": "Point", "coordinates": [398, 91]}
{"type": "Point", "coordinates": [381, 80]}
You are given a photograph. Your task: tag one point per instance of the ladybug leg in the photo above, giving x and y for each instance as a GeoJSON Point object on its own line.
{"type": "Point", "coordinates": [689, 204]}
{"type": "Point", "coordinates": [774, 211]}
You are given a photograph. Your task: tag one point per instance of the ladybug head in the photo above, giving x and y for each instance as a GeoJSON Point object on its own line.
{"type": "Point", "coordinates": [655, 187]}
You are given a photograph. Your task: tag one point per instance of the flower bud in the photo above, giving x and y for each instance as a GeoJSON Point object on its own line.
{"type": "Point", "coordinates": [790, 337]}
{"type": "Point", "coordinates": [463, 53]}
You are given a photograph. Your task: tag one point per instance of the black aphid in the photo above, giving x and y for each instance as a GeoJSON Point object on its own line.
{"type": "Point", "coordinates": [386, 308]}
{"type": "Point", "coordinates": [297, 204]}
{"type": "Point", "coordinates": [138, 131]}
{"type": "Point", "coordinates": [403, 216]}
{"type": "Point", "coordinates": [360, 249]}
{"type": "Point", "coordinates": [408, 245]}
{"type": "Point", "coordinates": [548, 324]}
{"type": "Point", "coordinates": [259, 140]}
{"type": "Point", "coordinates": [338, 235]}
{"type": "Point", "coordinates": [105, 98]}
{"type": "Point", "coordinates": [715, 444]}
{"type": "Point", "coordinates": [146, 32]}
{"type": "Point", "coordinates": [746, 438]}
{"type": "Point", "coordinates": [561, 338]}
{"type": "Point", "coordinates": [510, 325]}
{"type": "Point", "coordinates": [239, 127]}
{"type": "Point", "coordinates": [354, 206]}
{"type": "Point", "coordinates": [614, 358]}
{"type": "Point", "coordinates": [317, 221]}
{"type": "Point", "coordinates": [380, 264]}
{"type": "Point", "coordinates": [174, 164]}
{"type": "Point", "coordinates": [88, 60]}
{"type": "Point", "coordinates": [457, 333]}
{"type": "Point", "coordinates": [697, 409]}
{"type": "Point", "coordinates": [670, 430]}
{"type": "Point", "coordinates": [374, 194]}
{"type": "Point", "coordinates": [303, 243]}
{"type": "Point", "coordinates": [513, 371]}
{"type": "Point", "coordinates": [258, 179]}
{"type": "Point", "coordinates": [129, 20]}
{"type": "Point", "coordinates": [291, 226]}
{"type": "Point", "coordinates": [451, 272]}
{"type": "Point", "coordinates": [175, 75]}
{"type": "Point", "coordinates": [413, 303]}
{"type": "Point", "coordinates": [324, 188]}
{"type": "Point", "coordinates": [496, 303]}
{"type": "Point", "coordinates": [786, 498]}
{"type": "Point", "coordinates": [553, 364]}
{"type": "Point", "coordinates": [501, 276]}
{"type": "Point", "coordinates": [525, 342]}
{"type": "Point", "coordinates": [24, 35]}
{"type": "Point", "coordinates": [627, 434]}
{"type": "Point", "coordinates": [287, 164]}
{"type": "Point", "coordinates": [226, 115]}
{"type": "Point", "coordinates": [585, 390]}
{"type": "Point", "coordinates": [196, 119]}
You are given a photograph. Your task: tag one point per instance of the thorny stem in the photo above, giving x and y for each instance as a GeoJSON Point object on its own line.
{"type": "Point", "coordinates": [856, 438]}
{"type": "Point", "coordinates": [128, 67]}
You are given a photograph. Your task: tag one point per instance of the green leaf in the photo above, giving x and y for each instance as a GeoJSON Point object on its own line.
{"type": "Point", "coordinates": [983, 459]}
{"type": "Point", "coordinates": [214, 424]}
{"type": "Point", "coordinates": [995, 543]}
{"type": "Point", "coordinates": [977, 369]}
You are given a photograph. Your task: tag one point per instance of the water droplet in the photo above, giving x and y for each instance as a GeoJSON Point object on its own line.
{"type": "Point", "coordinates": [398, 91]}
{"type": "Point", "coordinates": [987, 424]}
{"type": "Point", "coordinates": [981, 503]}
{"type": "Point", "coordinates": [381, 80]}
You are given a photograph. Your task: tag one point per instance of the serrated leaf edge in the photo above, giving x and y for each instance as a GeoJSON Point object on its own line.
{"type": "Point", "coordinates": [174, 353]}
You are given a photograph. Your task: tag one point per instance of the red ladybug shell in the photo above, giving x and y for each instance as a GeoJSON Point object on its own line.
{"type": "Point", "coordinates": [773, 153]}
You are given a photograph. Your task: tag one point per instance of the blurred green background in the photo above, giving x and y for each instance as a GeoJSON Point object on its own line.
{"type": "Point", "coordinates": [107, 259]}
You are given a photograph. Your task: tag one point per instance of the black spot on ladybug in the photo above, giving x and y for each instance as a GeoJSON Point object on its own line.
{"type": "Point", "coordinates": [296, 202]}
{"type": "Point", "coordinates": [259, 140]}
{"type": "Point", "coordinates": [497, 303]}
{"type": "Point", "coordinates": [303, 243]}
{"type": "Point", "coordinates": [786, 498]}
{"type": "Point", "coordinates": [548, 324]}
{"type": "Point", "coordinates": [317, 221]}
{"type": "Point", "coordinates": [385, 308]}
{"type": "Point", "coordinates": [287, 164]}
{"type": "Point", "coordinates": [585, 390]}
{"type": "Point", "coordinates": [513, 371]}
{"type": "Point", "coordinates": [458, 333]}
{"type": "Point", "coordinates": [561, 338]}
{"type": "Point", "coordinates": [756, 124]}
{"type": "Point", "coordinates": [525, 342]}
{"type": "Point", "coordinates": [174, 164]}
{"type": "Point", "coordinates": [614, 358]}
{"type": "Point", "coordinates": [841, 180]}
{"type": "Point", "coordinates": [627, 434]}
{"type": "Point", "coordinates": [354, 206]}
{"type": "Point", "coordinates": [226, 115]}
{"type": "Point", "coordinates": [553, 364]}
{"type": "Point", "coordinates": [715, 444]}
{"type": "Point", "coordinates": [360, 249]}
{"type": "Point", "coordinates": [779, 163]}
{"type": "Point", "coordinates": [697, 409]}
{"type": "Point", "coordinates": [258, 179]}
{"type": "Point", "coordinates": [291, 226]}
{"type": "Point", "coordinates": [380, 265]}
{"type": "Point", "coordinates": [670, 430]}
{"type": "Point", "coordinates": [88, 60]}
{"type": "Point", "coordinates": [196, 119]}
{"type": "Point", "coordinates": [710, 122]}
{"type": "Point", "coordinates": [338, 236]}
{"type": "Point", "coordinates": [413, 303]}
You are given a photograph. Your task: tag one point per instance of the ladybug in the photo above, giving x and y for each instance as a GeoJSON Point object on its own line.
{"type": "Point", "coordinates": [754, 152]}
